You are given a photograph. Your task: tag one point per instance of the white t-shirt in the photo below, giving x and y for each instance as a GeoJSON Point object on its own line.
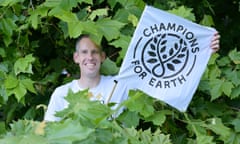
{"type": "Point", "coordinates": [101, 93]}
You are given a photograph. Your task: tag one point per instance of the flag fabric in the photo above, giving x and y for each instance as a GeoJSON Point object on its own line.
{"type": "Point", "coordinates": [166, 57]}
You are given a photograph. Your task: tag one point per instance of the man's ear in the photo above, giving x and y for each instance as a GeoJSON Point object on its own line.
{"type": "Point", "coordinates": [103, 56]}
{"type": "Point", "coordinates": [75, 57]}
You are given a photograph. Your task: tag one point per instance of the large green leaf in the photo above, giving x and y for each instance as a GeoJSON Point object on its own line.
{"type": "Point", "coordinates": [109, 28]}
{"type": "Point", "coordinates": [24, 65]}
{"type": "Point", "coordinates": [7, 26]}
{"type": "Point", "coordinates": [123, 43]}
{"type": "Point", "coordinates": [76, 28]}
{"type": "Point", "coordinates": [140, 102]}
{"type": "Point", "coordinates": [63, 14]}
{"type": "Point", "coordinates": [98, 13]}
{"type": "Point", "coordinates": [9, 2]}
{"type": "Point", "coordinates": [28, 84]}
{"type": "Point", "coordinates": [159, 117]}
{"type": "Point", "coordinates": [24, 139]}
{"type": "Point", "coordinates": [11, 82]}
{"type": "Point", "coordinates": [216, 88]}
{"type": "Point", "coordinates": [204, 139]}
{"type": "Point", "coordinates": [129, 119]}
{"type": "Point", "coordinates": [67, 132]}
{"type": "Point", "coordinates": [109, 67]}
{"type": "Point", "coordinates": [207, 20]}
{"type": "Point", "coordinates": [81, 108]}
{"type": "Point", "coordinates": [235, 56]}
{"type": "Point", "coordinates": [36, 14]}
{"type": "Point", "coordinates": [216, 125]}
{"type": "Point", "coordinates": [184, 12]}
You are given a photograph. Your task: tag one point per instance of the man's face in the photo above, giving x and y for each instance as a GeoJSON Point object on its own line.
{"type": "Point", "coordinates": [89, 58]}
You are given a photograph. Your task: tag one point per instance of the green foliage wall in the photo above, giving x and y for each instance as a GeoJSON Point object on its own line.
{"type": "Point", "coordinates": [37, 39]}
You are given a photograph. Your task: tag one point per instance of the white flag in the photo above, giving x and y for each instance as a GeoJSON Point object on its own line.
{"type": "Point", "coordinates": [166, 57]}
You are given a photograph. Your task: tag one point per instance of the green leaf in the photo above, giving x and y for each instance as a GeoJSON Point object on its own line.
{"type": "Point", "coordinates": [75, 29]}
{"type": "Point", "coordinates": [184, 12]}
{"type": "Point", "coordinates": [235, 56]}
{"type": "Point", "coordinates": [207, 20]}
{"type": "Point", "coordinates": [129, 119]}
{"type": "Point", "coordinates": [24, 65]}
{"type": "Point", "coordinates": [133, 19]}
{"type": "Point", "coordinates": [227, 88]}
{"type": "Point", "coordinates": [140, 102]}
{"type": "Point", "coordinates": [68, 4]}
{"type": "Point", "coordinates": [11, 82]}
{"type": "Point", "coordinates": [236, 124]}
{"type": "Point", "coordinates": [216, 125]}
{"type": "Point", "coordinates": [28, 84]}
{"type": "Point", "coordinates": [109, 67]}
{"type": "Point", "coordinates": [234, 138]}
{"type": "Point", "coordinates": [158, 118]}
{"type": "Point", "coordinates": [63, 14]}
{"type": "Point", "coordinates": [67, 132]}
{"type": "Point", "coordinates": [85, 1]}
{"type": "Point", "coordinates": [34, 18]}
{"type": "Point", "coordinates": [234, 76]}
{"type": "Point", "coordinates": [52, 3]}
{"type": "Point", "coordinates": [235, 92]}
{"type": "Point", "coordinates": [160, 138]}
{"type": "Point", "coordinates": [216, 88]}
{"type": "Point", "coordinates": [13, 86]}
{"type": "Point", "coordinates": [9, 2]}
{"type": "Point", "coordinates": [224, 61]}
{"type": "Point", "coordinates": [20, 92]}
{"type": "Point", "coordinates": [109, 28]}
{"type": "Point", "coordinates": [204, 139]}
{"type": "Point", "coordinates": [8, 26]}
{"type": "Point", "coordinates": [98, 13]}
{"type": "Point", "coordinates": [122, 43]}
{"type": "Point", "coordinates": [81, 108]}
{"type": "Point", "coordinates": [2, 53]}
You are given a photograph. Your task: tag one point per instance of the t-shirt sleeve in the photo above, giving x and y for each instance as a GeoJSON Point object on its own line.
{"type": "Point", "coordinates": [56, 103]}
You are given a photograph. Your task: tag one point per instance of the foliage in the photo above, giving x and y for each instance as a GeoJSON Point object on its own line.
{"type": "Point", "coordinates": [36, 45]}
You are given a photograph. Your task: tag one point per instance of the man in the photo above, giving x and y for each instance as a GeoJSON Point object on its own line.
{"type": "Point", "coordinates": [89, 57]}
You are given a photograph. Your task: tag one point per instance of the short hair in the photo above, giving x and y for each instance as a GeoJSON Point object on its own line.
{"type": "Point", "coordinates": [84, 36]}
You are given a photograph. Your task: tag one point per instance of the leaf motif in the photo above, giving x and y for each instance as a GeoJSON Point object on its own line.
{"type": "Point", "coordinates": [176, 46]}
{"type": "Point", "coordinates": [176, 61]}
{"type": "Point", "coordinates": [171, 67]}
{"type": "Point", "coordinates": [151, 53]}
{"type": "Point", "coordinates": [171, 51]}
{"type": "Point", "coordinates": [184, 49]}
{"type": "Point", "coordinates": [163, 49]}
{"type": "Point", "coordinates": [185, 43]}
{"type": "Point", "coordinates": [152, 60]}
{"type": "Point", "coordinates": [152, 46]}
{"type": "Point", "coordinates": [155, 40]}
{"type": "Point", "coordinates": [163, 36]}
{"type": "Point", "coordinates": [181, 41]}
{"type": "Point", "coordinates": [181, 55]}
{"type": "Point", "coordinates": [163, 42]}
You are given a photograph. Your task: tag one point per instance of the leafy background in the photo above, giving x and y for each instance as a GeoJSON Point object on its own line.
{"type": "Point", "coordinates": [36, 43]}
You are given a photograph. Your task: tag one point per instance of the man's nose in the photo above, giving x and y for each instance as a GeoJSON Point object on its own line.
{"type": "Point", "coordinates": [90, 55]}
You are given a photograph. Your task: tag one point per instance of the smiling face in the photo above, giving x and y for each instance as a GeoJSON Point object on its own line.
{"type": "Point", "coordinates": [89, 57]}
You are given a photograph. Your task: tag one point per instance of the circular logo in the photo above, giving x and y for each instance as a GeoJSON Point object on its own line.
{"type": "Point", "coordinates": [165, 55]}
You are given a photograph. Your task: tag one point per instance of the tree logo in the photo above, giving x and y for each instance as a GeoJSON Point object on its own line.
{"type": "Point", "coordinates": [163, 61]}
{"type": "Point", "coordinates": [165, 57]}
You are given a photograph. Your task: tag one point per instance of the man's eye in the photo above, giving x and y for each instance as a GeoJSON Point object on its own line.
{"type": "Point", "coordinates": [83, 51]}
{"type": "Point", "coordinates": [95, 52]}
